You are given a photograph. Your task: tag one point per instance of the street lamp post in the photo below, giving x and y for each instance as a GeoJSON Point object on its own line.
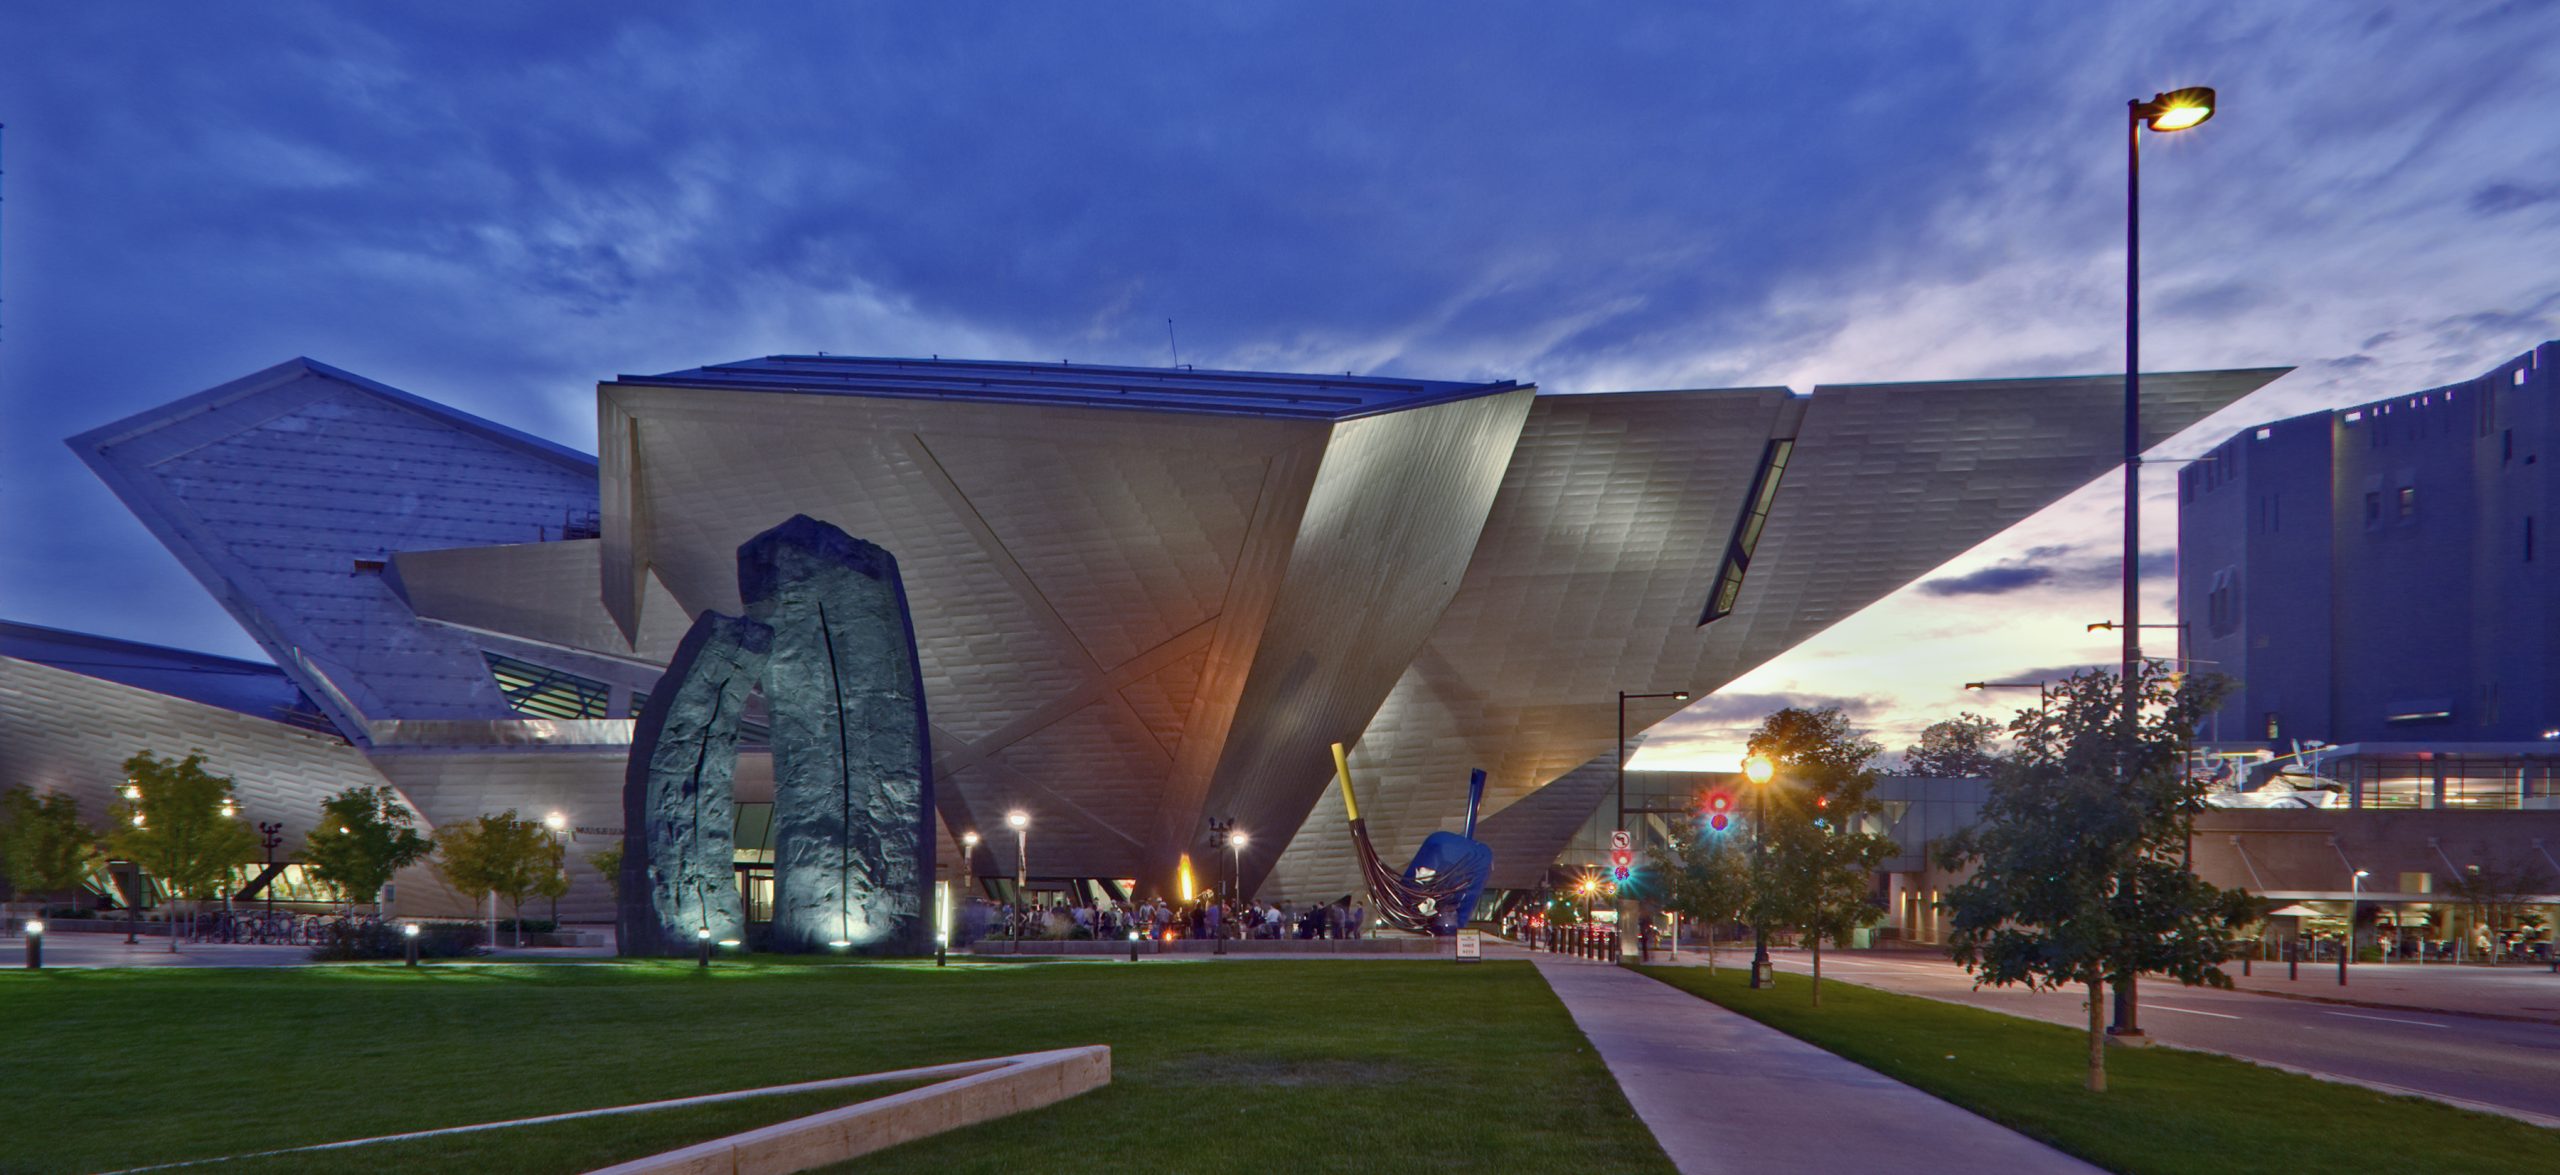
{"type": "Point", "coordinates": [556, 823]}
{"type": "Point", "coordinates": [2355, 906]}
{"type": "Point", "coordinates": [2174, 110]}
{"type": "Point", "coordinates": [1759, 770]}
{"type": "Point", "coordinates": [35, 944]}
{"type": "Point", "coordinates": [270, 834]}
{"type": "Point", "coordinates": [1625, 903]}
{"type": "Point", "coordinates": [2044, 692]}
{"type": "Point", "coordinates": [969, 865]}
{"type": "Point", "coordinates": [1020, 822]}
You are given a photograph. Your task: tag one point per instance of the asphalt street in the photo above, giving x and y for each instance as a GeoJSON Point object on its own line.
{"type": "Point", "coordinates": [2489, 1064]}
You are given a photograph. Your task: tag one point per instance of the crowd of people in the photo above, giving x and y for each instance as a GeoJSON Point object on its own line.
{"type": "Point", "coordinates": [1204, 918]}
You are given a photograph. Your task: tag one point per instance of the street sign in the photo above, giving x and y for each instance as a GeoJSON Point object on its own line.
{"type": "Point", "coordinates": [1470, 946]}
{"type": "Point", "coordinates": [1619, 842]}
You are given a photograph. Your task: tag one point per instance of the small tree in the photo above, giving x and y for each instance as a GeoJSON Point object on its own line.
{"type": "Point", "coordinates": [609, 863]}
{"type": "Point", "coordinates": [181, 824]}
{"type": "Point", "coordinates": [44, 847]}
{"type": "Point", "coordinates": [1966, 746]}
{"type": "Point", "coordinates": [1822, 853]}
{"type": "Point", "coordinates": [1707, 880]}
{"type": "Point", "coordinates": [2079, 870]}
{"type": "Point", "coordinates": [365, 836]}
{"type": "Point", "coordinates": [514, 859]}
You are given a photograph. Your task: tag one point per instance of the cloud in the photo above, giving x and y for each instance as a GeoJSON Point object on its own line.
{"type": "Point", "coordinates": [2048, 567]}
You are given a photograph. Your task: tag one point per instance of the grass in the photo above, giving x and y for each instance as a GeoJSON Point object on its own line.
{"type": "Point", "coordinates": [1247, 1066]}
{"type": "Point", "coordinates": [2165, 1110]}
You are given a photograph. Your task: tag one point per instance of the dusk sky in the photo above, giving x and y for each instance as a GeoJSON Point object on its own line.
{"type": "Point", "coordinates": [495, 206]}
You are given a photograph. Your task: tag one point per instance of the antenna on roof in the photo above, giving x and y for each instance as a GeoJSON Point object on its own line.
{"type": "Point", "coordinates": [1168, 341]}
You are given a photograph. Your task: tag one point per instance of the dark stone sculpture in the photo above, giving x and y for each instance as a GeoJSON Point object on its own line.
{"type": "Point", "coordinates": [678, 795]}
{"type": "Point", "coordinates": [852, 766]}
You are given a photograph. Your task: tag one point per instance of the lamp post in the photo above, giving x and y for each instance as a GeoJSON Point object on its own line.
{"type": "Point", "coordinates": [1760, 771]}
{"type": "Point", "coordinates": [409, 933]}
{"type": "Point", "coordinates": [1020, 822]}
{"type": "Point", "coordinates": [2355, 906]}
{"type": "Point", "coordinates": [2173, 110]}
{"type": "Point", "coordinates": [35, 944]}
{"type": "Point", "coordinates": [556, 823]}
{"type": "Point", "coordinates": [270, 834]}
{"type": "Point", "coordinates": [703, 937]}
{"type": "Point", "coordinates": [1625, 902]}
{"type": "Point", "coordinates": [1236, 840]}
{"type": "Point", "coordinates": [969, 864]}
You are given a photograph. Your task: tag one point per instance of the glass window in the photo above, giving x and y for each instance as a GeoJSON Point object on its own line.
{"type": "Point", "coordinates": [1746, 531]}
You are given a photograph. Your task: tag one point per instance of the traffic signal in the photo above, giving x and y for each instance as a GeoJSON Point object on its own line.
{"type": "Point", "coordinates": [1719, 810]}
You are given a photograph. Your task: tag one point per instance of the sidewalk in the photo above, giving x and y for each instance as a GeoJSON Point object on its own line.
{"type": "Point", "coordinates": [1726, 1094]}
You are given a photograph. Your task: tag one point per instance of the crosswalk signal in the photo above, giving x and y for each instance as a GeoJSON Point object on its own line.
{"type": "Point", "coordinates": [1622, 864]}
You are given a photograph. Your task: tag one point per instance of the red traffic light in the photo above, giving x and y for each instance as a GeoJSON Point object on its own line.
{"type": "Point", "coordinates": [1718, 821]}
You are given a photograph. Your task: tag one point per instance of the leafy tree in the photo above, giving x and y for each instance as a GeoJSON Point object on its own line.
{"type": "Point", "coordinates": [2079, 869]}
{"type": "Point", "coordinates": [1707, 880]}
{"type": "Point", "coordinates": [43, 846]}
{"type": "Point", "coordinates": [1963, 747]}
{"type": "Point", "coordinates": [181, 824]}
{"type": "Point", "coordinates": [364, 837]}
{"type": "Point", "coordinates": [514, 859]}
{"type": "Point", "coordinates": [609, 863]}
{"type": "Point", "coordinates": [1820, 807]}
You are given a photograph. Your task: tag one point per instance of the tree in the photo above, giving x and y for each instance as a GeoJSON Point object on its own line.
{"type": "Point", "coordinates": [1963, 747]}
{"type": "Point", "coordinates": [1707, 880]}
{"type": "Point", "coordinates": [2079, 869]}
{"type": "Point", "coordinates": [609, 863]}
{"type": "Point", "coordinates": [364, 837]}
{"type": "Point", "coordinates": [514, 859]}
{"type": "Point", "coordinates": [181, 824]}
{"type": "Point", "coordinates": [44, 848]}
{"type": "Point", "coordinates": [1819, 810]}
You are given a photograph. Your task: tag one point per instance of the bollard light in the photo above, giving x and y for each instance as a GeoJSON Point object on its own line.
{"type": "Point", "coordinates": [703, 936]}
{"type": "Point", "coordinates": [1133, 946]}
{"type": "Point", "coordinates": [35, 944]}
{"type": "Point", "coordinates": [409, 933]}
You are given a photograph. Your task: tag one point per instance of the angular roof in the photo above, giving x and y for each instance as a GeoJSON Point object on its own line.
{"type": "Point", "coordinates": [287, 491]}
{"type": "Point", "coordinates": [254, 688]}
{"type": "Point", "coordinates": [1153, 389]}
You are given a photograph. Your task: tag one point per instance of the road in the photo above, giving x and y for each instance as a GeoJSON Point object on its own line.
{"type": "Point", "coordinates": [2499, 1065]}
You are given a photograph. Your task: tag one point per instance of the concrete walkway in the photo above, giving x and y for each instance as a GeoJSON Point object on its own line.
{"type": "Point", "coordinates": [1723, 1093]}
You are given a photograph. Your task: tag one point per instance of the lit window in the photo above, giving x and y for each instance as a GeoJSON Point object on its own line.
{"type": "Point", "coordinates": [2353, 417]}
{"type": "Point", "coordinates": [539, 691]}
{"type": "Point", "coordinates": [2408, 501]}
{"type": "Point", "coordinates": [1747, 530]}
{"type": "Point", "coordinates": [2275, 730]}
{"type": "Point", "coordinates": [2519, 377]}
{"type": "Point", "coordinates": [2265, 433]}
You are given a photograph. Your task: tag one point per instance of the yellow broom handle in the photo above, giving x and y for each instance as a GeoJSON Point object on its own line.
{"type": "Point", "coordinates": [1342, 771]}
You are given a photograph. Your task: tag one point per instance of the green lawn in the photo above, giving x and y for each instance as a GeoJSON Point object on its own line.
{"type": "Point", "coordinates": [2165, 1110]}
{"type": "Point", "coordinates": [1246, 1066]}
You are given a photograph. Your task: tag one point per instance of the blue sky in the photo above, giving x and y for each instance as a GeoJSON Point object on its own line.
{"type": "Point", "coordinates": [497, 205]}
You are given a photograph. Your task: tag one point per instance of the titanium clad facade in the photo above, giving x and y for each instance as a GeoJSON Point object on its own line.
{"type": "Point", "coordinates": [1615, 523]}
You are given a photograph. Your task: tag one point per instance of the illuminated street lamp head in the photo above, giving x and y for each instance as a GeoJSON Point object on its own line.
{"type": "Point", "coordinates": [1236, 839]}
{"type": "Point", "coordinates": [703, 933]}
{"type": "Point", "coordinates": [969, 840]}
{"type": "Point", "coordinates": [555, 822]}
{"type": "Point", "coordinates": [34, 928]}
{"type": "Point", "coordinates": [2176, 110]}
{"type": "Point", "coordinates": [1017, 820]}
{"type": "Point", "coordinates": [409, 928]}
{"type": "Point", "coordinates": [1758, 769]}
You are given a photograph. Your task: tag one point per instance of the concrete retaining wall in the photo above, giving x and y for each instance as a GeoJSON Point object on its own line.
{"type": "Point", "coordinates": [1026, 1082]}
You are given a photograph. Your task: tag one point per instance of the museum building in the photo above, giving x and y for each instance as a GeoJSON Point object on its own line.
{"type": "Point", "coordinates": [1144, 599]}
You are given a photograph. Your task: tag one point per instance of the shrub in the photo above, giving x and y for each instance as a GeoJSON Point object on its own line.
{"type": "Point", "coordinates": [369, 938]}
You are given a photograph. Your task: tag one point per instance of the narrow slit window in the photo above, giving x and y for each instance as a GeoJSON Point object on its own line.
{"type": "Point", "coordinates": [539, 691]}
{"type": "Point", "coordinates": [1747, 530]}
